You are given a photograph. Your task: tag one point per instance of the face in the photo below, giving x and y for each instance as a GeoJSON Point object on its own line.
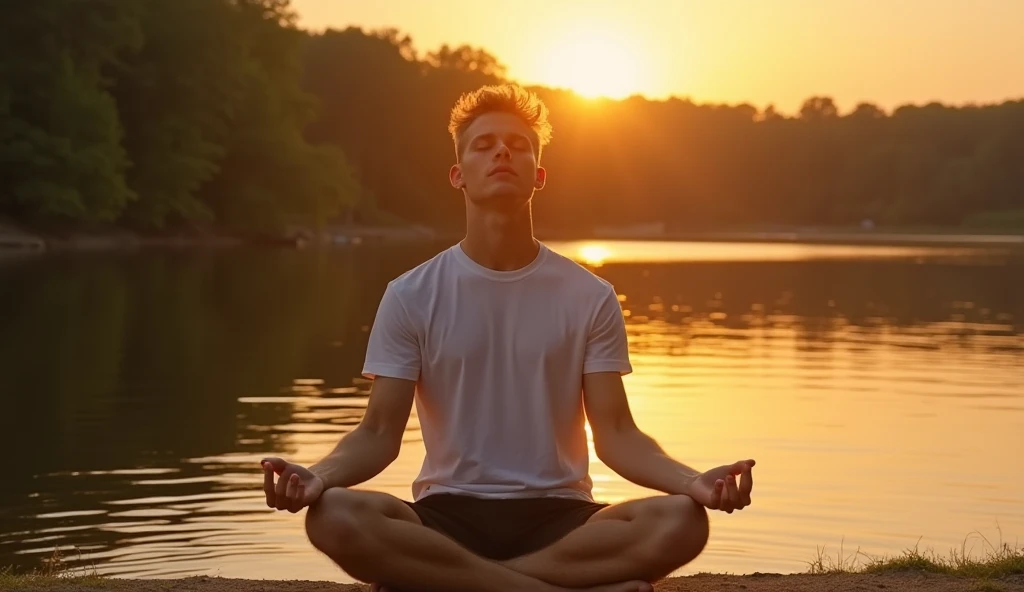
{"type": "Point", "coordinates": [498, 165]}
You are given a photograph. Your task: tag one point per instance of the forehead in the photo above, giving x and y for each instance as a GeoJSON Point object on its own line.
{"type": "Point", "coordinates": [497, 123]}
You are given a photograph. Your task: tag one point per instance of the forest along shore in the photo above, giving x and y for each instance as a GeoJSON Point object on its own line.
{"type": "Point", "coordinates": [13, 238]}
{"type": "Point", "coordinates": [17, 239]}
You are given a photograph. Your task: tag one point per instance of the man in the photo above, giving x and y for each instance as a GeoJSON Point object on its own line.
{"type": "Point", "coordinates": [506, 348]}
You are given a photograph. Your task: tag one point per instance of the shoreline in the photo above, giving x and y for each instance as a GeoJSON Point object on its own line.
{"type": "Point", "coordinates": [15, 240]}
{"type": "Point", "coordinates": [824, 237]}
{"type": "Point", "coordinates": [909, 581]}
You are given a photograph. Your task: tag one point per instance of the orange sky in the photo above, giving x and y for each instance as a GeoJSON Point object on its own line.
{"type": "Point", "coordinates": [889, 52]}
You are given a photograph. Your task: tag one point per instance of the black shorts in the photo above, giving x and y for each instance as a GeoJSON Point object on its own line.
{"type": "Point", "coordinates": [501, 529]}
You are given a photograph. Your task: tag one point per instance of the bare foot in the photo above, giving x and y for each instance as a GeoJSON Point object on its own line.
{"type": "Point", "coordinates": [637, 586]}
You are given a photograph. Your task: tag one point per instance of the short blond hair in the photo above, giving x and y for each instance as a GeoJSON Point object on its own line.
{"type": "Point", "coordinates": [503, 98]}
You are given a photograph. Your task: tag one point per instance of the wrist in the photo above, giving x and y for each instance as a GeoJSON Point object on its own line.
{"type": "Point", "coordinates": [687, 480]}
{"type": "Point", "coordinates": [318, 474]}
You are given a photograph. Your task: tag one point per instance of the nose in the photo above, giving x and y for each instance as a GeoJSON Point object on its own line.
{"type": "Point", "coordinates": [502, 153]}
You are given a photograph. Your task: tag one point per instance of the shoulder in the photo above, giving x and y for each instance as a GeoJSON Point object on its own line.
{"type": "Point", "coordinates": [423, 278]}
{"type": "Point", "coordinates": [577, 278]}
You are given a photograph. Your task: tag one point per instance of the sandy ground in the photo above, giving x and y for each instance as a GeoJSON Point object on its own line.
{"type": "Point", "coordinates": [899, 582]}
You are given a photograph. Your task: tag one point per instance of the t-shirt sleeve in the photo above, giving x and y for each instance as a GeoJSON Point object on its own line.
{"type": "Point", "coordinates": [393, 349]}
{"type": "Point", "coordinates": [607, 347]}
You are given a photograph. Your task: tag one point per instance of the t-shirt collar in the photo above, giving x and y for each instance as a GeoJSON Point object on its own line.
{"type": "Point", "coordinates": [500, 276]}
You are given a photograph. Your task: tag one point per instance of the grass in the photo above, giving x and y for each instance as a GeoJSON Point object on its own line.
{"type": "Point", "coordinates": [53, 573]}
{"type": "Point", "coordinates": [997, 561]}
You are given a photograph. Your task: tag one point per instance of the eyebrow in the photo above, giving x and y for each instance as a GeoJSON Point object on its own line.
{"type": "Point", "coordinates": [492, 136]}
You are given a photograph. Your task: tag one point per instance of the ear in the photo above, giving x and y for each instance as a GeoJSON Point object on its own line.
{"type": "Point", "coordinates": [455, 177]}
{"type": "Point", "coordinates": [542, 178]}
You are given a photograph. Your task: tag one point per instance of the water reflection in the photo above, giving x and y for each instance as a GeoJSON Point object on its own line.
{"type": "Point", "coordinates": [882, 396]}
{"type": "Point", "coordinates": [597, 253]}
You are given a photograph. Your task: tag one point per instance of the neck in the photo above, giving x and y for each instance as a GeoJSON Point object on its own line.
{"type": "Point", "coordinates": [502, 241]}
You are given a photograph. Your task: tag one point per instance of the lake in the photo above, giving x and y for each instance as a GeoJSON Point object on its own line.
{"type": "Point", "coordinates": [881, 390]}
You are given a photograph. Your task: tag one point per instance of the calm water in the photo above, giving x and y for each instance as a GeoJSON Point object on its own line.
{"type": "Point", "coordinates": [880, 389]}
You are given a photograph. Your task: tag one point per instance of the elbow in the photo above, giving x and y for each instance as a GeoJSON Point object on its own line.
{"type": "Point", "coordinates": [609, 449]}
{"type": "Point", "coordinates": [390, 447]}
{"type": "Point", "coordinates": [601, 448]}
{"type": "Point", "coordinates": [393, 450]}
{"type": "Point", "coordinates": [384, 442]}
{"type": "Point", "coordinates": [612, 447]}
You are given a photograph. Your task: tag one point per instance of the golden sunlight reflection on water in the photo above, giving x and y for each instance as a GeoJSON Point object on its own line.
{"type": "Point", "coordinates": [865, 440]}
{"type": "Point", "coordinates": [878, 422]}
{"type": "Point", "coordinates": [875, 448]}
{"type": "Point", "coordinates": [597, 253]}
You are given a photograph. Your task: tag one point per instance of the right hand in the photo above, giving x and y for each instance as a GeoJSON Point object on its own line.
{"type": "Point", "coordinates": [296, 488]}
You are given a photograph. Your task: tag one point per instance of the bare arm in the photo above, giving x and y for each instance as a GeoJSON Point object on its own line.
{"type": "Point", "coordinates": [621, 445]}
{"type": "Point", "coordinates": [392, 357]}
{"type": "Point", "coordinates": [367, 450]}
{"type": "Point", "coordinates": [636, 457]}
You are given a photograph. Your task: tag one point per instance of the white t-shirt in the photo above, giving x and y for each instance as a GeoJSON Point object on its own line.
{"type": "Point", "coordinates": [499, 359]}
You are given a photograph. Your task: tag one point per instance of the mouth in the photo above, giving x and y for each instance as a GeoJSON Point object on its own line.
{"type": "Point", "coordinates": [502, 169]}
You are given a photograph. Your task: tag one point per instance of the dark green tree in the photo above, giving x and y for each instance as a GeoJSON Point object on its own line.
{"type": "Point", "coordinates": [60, 136]}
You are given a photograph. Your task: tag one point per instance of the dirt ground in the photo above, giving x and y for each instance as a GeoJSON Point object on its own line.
{"type": "Point", "coordinates": [897, 582]}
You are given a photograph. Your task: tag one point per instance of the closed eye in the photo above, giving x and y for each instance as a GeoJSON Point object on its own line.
{"type": "Point", "coordinates": [487, 141]}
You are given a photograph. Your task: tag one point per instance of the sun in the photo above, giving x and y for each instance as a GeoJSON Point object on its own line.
{"type": "Point", "coordinates": [593, 254]}
{"type": "Point", "coordinates": [594, 63]}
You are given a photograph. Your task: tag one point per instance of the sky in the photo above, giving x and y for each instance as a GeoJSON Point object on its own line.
{"type": "Point", "coordinates": [780, 52]}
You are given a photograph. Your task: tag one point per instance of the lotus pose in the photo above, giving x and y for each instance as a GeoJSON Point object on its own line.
{"type": "Point", "coordinates": [506, 348]}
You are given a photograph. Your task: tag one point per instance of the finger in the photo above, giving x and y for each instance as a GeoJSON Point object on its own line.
{"type": "Point", "coordinates": [268, 484]}
{"type": "Point", "coordinates": [293, 485]}
{"type": "Point", "coordinates": [278, 464]}
{"type": "Point", "coordinates": [738, 467]}
{"type": "Point", "coordinates": [746, 485]}
{"type": "Point", "coordinates": [282, 491]}
{"type": "Point", "coordinates": [294, 501]}
{"type": "Point", "coordinates": [300, 498]}
{"type": "Point", "coordinates": [733, 491]}
{"type": "Point", "coordinates": [716, 495]}
{"type": "Point", "coordinates": [726, 504]}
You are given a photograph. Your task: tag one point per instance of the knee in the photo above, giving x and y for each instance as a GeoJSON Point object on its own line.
{"type": "Point", "coordinates": [683, 530]}
{"type": "Point", "coordinates": [334, 523]}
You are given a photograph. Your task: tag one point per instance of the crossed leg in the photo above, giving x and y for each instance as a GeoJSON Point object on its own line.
{"type": "Point", "coordinates": [644, 539]}
{"type": "Point", "coordinates": [375, 537]}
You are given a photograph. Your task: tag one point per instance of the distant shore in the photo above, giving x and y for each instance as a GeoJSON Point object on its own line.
{"type": "Point", "coordinates": [903, 582]}
{"type": "Point", "coordinates": [950, 236]}
{"type": "Point", "coordinates": [13, 238]}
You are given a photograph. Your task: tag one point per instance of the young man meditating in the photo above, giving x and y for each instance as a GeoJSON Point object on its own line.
{"type": "Point", "coordinates": [503, 345]}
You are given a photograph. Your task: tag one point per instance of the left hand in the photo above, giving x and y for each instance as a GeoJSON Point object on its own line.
{"type": "Point", "coordinates": [717, 489]}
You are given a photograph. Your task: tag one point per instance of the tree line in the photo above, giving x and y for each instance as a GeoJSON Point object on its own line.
{"type": "Point", "coordinates": [224, 114]}
{"type": "Point", "coordinates": [164, 113]}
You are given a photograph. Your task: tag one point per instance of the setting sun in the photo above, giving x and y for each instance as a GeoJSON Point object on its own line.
{"type": "Point", "coordinates": [593, 254]}
{"type": "Point", "coordinates": [594, 63]}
